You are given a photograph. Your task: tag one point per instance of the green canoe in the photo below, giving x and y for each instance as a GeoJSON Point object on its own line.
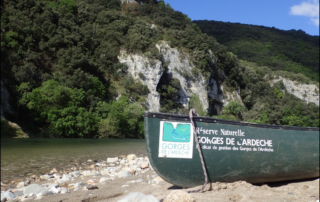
{"type": "Point", "coordinates": [232, 150]}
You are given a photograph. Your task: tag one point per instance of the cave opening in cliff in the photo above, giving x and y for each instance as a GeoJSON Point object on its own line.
{"type": "Point", "coordinates": [168, 89]}
{"type": "Point", "coordinates": [215, 107]}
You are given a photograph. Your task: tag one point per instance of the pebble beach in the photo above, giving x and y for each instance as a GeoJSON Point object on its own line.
{"type": "Point", "coordinates": [130, 178]}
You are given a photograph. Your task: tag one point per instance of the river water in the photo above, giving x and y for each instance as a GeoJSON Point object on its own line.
{"type": "Point", "coordinates": [21, 158]}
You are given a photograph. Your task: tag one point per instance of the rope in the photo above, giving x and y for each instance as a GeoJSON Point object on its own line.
{"type": "Point", "coordinates": [193, 111]}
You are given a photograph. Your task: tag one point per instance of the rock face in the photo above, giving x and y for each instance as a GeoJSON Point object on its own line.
{"type": "Point", "coordinates": [151, 70]}
{"type": "Point", "coordinates": [306, 92]}
{"type": "Point", "coordinates": [178, 65]}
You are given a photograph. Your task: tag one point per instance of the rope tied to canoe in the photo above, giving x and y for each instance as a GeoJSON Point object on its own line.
{"type": "Point", "coordinates": [191, 113]}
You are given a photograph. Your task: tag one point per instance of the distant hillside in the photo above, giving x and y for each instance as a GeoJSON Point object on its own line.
{"type": "Point", "coordinates": [293, 50]}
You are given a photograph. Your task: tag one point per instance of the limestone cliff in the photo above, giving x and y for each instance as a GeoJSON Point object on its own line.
{"type": "Point", "coordinates": [306, 92]}
{"type": "Point", "coordinates": [180, 67]}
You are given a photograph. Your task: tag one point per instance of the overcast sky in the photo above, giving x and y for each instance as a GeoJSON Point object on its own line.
{"type": "Point", "coordinates": [281, 14]}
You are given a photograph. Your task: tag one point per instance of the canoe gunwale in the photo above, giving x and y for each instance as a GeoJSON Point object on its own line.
{"type": "Point", "coordinates": [215, 120]}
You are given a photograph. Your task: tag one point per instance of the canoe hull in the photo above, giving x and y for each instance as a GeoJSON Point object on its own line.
{"type": "Point", "coordinates": [232, 150]}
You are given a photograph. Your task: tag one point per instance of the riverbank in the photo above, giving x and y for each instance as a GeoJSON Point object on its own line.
{"type": "Point", "coordinates": [115, 178]}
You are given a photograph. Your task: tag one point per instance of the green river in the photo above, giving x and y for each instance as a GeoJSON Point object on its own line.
{"type": "Point", "coordinates": [22, 158]}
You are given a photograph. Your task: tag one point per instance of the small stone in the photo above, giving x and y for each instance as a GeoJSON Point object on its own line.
{"type": "Point", "coordinates": [20, 185]}
{"type": "Point", "coordinates": [18, 193]}
{"type": "Point", "coordinates": [53, 185]}
{"type": "Point", "coordinates": [34, 177]}
{"type": "Point", "coordinates": [91, 187]}
{"type": "Point", "coordinates": [89, 160]}
{"type": "Point", "coordinates": [290, 193]}
{"type": "Point", "coordinates": [179, 196]}
{"type": "Point", "coordinates": [131, 157]}
{"type": "Point", "coordinates": [131, 170]}
{"type": "Point", "coordinates": [112, 160]}
{"type": "Point", "coordinates": [44, 177]}
{"type": "Point", "coordinates": [90, 182]}
{"type": "Point", "coordinates": [76, 173]}
{"type": "Point", "coordinates": [35, 189]}
{"type": "Point", "coordinates": [103, 179]}
{"type": "Point", "coordinates": [123, 174]}
{"type": "Point", "coordinates": [92, 166]}
{"type": "Point", "coordinates": [39, 196]}
{"type": "Point", "coordinates": [137, 196]}
{"type": "Point", "coordinates": [63, 190]}
{"type": "Point", "coordinates": [145, 165]}
{"type": "Point", "coordinates": [26, 199]}
{"type": "Point", "coordinates": [55, 190]}
{"type": "Point", "coordinates": [64, 184]}
{"type": "Point", "coordinates": [57, 176]}
{"type": "Point", "coordinates": [87, 173]}
{"type": "Point", "coordinates": [27, 182]}
{"type": "Point", "coordinates": [54, 170]}
{"type": "Point", "coordinates": [3, 189]}
{"type": "Point", "coordinates": [122, 156]}
{"type": "Point", "coordinates": [8, 195]}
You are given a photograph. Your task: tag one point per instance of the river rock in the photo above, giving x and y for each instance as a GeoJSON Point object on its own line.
{"type": "Point", "coordinates": [57, 176]}
{"type": "Point", "coordinates": [18, 193]}
{"type": "Point", "coordinates": [53, 171]}
{"type": "Point", "coordinates": [103, 179]}
{"type": "Point", "coordinates": [39, 196]}
{"type": "Point", "coordinates": [91, 187]}
{"type": "Point", "coordinates": [133, 162]}
{"type": "Point", "coordinates": [87, 173]}
{"type": "Point", "coordinates": [76, 173]}
{"type": "Point", "coordinates": [112, 160]}
{"type": "Point", "coordinates": [179, 196]}
{"type": "Point", "coordinates": [63, 190]}
{"type": "Point", "coordinates": [144, 165]}
{"type": "Point", "coordinates": [123, 174]}
{"type": "Point", "coordinates": [104, 172]}
{"type": "Point", "coordinates": [131, 170]}
{"type": "Point", "coordinates": [8, 195]}
{"type": "Point", "coordinates": [45, 177]}
{"type": "Point", "coordinates": [131, 157]}
{"type": "Point", "coordinates": [35, 189]}
{"type": "Point", "coordinates": [20, 185]}
{"type": "Point", "coordinates": [137, 197]}
{"type": "Point", "coordinates": [55, 190]}
{"type": "Point", "coordinates": [53, 185]}
{"type": "Point", "coordinates": [65, 177]}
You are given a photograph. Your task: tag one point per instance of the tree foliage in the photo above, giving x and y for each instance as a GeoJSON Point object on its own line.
{"type": "Point", "coordinates": [60, 61]}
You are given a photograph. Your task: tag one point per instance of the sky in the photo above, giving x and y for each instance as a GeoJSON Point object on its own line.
{"type": "Point", "coordinates": [281, 14]}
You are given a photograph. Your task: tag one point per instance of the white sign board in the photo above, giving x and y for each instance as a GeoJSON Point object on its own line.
{"type": "Point", "coordinates": [175, 140]}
